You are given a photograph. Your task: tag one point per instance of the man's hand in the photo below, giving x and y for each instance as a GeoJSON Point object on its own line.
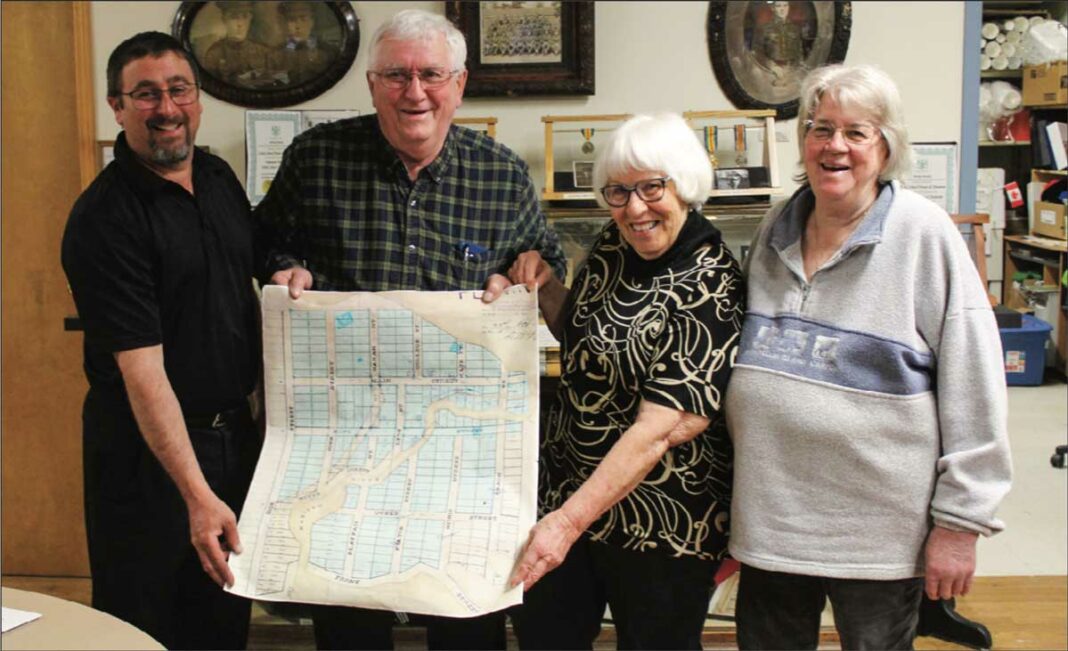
{"type": "Point", "coordinates": [209, 520]}
{"type": "Point", "coordinates": [495, 286]}
{"type": "Point", "coordinates": [950, 559]}
{"type": "Point", "coordinates": [547, 547]}
{"type": "Point", "coordinates": [297, 278]}
{"type": "Point", "coordinates": [531, 270]}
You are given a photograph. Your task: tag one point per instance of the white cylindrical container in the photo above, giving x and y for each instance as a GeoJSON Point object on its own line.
{"type": "Point", "coordinates": [989, 31]}
{"type": "Point", "coordinates": [1000, 62]}
{"type": "Point", "coordinates": [993, 48]}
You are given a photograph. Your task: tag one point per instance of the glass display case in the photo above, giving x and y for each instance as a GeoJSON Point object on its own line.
{"type": "Point", "coordinates": [570, 147]}
{"type": "Point", "coordinates": [741, 148]}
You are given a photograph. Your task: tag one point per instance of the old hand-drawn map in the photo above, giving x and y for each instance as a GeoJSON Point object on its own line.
{"type": "Point", "coordinates": [399, 467]}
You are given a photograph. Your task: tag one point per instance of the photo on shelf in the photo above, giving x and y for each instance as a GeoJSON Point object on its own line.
{"type": "Point", "coordinates": [582, 170]}
{"type": "Point", "coordinates": [732, 178]}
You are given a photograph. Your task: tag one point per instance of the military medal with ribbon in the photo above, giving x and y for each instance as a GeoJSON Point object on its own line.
{"type": "Point", "coordinates": [587, 147]}
{"type": "Point", "coordinates": [739, 145]}
{"type": "Point", "coordinates": [711, 133]}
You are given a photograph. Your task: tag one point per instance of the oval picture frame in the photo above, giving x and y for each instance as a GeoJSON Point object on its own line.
{"type": "Point", "coordinates": [254, 55]}
{"type": "Point", "coordinates": [760, 51]}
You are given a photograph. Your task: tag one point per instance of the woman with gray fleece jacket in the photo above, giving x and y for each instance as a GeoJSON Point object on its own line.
{"type": "Point", "coordinates": [867, 405]}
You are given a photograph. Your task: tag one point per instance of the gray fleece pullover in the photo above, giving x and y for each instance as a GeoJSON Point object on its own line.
{"type": "Point", "coordinates": [867, 403]}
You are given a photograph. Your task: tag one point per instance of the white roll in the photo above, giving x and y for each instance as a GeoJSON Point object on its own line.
{"type": "Point", "coordinates": [1000, 38]}
{"type": "Point", "coordinates": [1014, 37]}
{"type": "Point", "coordinates": [1015, 63]}
{"type": "Point", "coordinates": [993, 48]}
{"type": "Point", "coordinates": [1020, 24]}
{"type": "Point", "coordinates": [1008, 25]}
{"type": "Point", "coordinates": [984, 62]}
{"type": "Point", "coordinates": [989, 31]}
{"type": "Point", "coordinates": [1000, 62]}
{"type": "Point", "coordinates": [1034, 20]}
{"type": "Point", "coordinates": [1008, 50]}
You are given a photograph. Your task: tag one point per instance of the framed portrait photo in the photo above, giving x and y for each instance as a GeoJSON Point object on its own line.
{"type": "Point", "coordinates": [526, 48]}
{"type": "Point", "coordinates": [583, 173]}
{"type": "Point", "coordinates": [731, 178]}
{"type": "Point", "coordinates": [760, 51]}
{"type": "Point", "coordinates": [268, 54]}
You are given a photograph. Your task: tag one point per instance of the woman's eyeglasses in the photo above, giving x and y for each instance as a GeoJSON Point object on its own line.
{"type": "Point", "coordinates": [649, 190]}
{"type": "Point", "coordinates": [854, 134]}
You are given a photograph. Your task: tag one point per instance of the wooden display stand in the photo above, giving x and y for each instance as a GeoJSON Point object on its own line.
{"type": "Point", "coordinates": [762, 121]}
{"type": "Point", "coordinates": [487, 124]}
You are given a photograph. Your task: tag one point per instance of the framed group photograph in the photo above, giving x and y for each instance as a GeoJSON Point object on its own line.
{"type": "Point", "coordinates": [526, 48]}
{"type": "Point", "coordinates": [760, 51]}
{"type": "Point", "coordinates": [268, 54]}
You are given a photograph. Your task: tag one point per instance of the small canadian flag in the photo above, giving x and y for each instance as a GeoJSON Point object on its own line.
{"type": "Point", "coordinates": [1012, 191]}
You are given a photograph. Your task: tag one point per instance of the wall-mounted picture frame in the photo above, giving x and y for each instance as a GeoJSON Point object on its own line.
{"type": "Point", "coordinates": [760, 51]}
{"type": "Point", "coordinates": [526, 48]}
{"type": "Point", "coordinates": [268, 54]}
{"type": "Point", "coordinates": [583, 173]}
{"type": "Point", "coordinates": [105, 153]}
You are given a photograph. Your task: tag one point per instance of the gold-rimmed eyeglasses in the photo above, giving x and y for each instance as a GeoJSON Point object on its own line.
{"type": "Point", "coordinates": [854, 134]}
{"type": "Point", "coordinates": [150, 98]}
{"type": "Point", "coordinates": [648, 190]}
{"type": "Point", "coordinates": [397, 78]}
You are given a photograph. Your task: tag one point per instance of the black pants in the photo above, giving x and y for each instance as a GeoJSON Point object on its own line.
{"type": "Point", "coordinates": [782, 611]}
{"type": "Point", "coordinates": [339, 627]}
{"type": "Point", "coordinates": [657, 602]}
{"type": "Point", "coordinates": [144, 567]}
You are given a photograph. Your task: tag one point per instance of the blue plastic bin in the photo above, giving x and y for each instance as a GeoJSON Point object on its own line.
{"type": "Point", "coordinates": [1025, 351]}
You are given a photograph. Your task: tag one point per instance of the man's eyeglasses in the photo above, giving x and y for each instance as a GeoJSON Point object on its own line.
{"type": "Point", "coordinates": [150, 98]}
{"type": "Point", "coordinates": [398, 79]}
{"type": "Point", "coordinates": [649, 190]}
{"type": "Point", "coordinates": [856, 134]}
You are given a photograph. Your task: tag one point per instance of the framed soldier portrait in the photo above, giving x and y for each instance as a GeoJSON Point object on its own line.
{"type": "Point", "coordinates": [760, 51]}
{"type": "Point", "coordinates": [268, 54]}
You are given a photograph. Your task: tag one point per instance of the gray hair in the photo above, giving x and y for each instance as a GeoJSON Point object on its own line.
{"type": "Point", "coordinates": [663, 142]}
{"type": "Point", "coordinates": [867, 90]}
{"type": "Point", "coordinates": [419, 25]}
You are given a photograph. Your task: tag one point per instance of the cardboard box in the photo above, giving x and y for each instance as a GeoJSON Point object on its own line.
{"type": "Point", "coordinates": [1049, 220]}
{"type": "Point", "coordinates": [1046, 85]}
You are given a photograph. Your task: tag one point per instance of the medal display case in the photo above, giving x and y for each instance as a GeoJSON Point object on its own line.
{"type": "Point", "coordinates": [740, 145]}
{"type": "Point", "coordinates": [741, 148]}
{"type": "Point", "coordinates": [570, 147]}
{"type": "Point", "coordinates": [487, 125]}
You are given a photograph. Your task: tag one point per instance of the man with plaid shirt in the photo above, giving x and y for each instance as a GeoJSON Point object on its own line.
{"type": "Point", "coordinates": [402, 200]}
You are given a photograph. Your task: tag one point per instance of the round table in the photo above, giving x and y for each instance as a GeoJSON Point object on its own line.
{"type": "Point", "coordinates": [68, 625]}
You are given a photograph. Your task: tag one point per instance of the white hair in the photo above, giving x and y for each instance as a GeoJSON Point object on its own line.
{"type": "Point", "coordinates": [419, 25]}
{"type": "Point", "coordinates": [663, 142]}
{"type": "Point", "coordinates": [869, 91]}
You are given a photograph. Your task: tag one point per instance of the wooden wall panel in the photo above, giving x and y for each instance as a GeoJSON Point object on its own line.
{"type": "Point", "coordinates": [46, 66]}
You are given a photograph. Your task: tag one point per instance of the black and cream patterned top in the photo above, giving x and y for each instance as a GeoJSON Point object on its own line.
{"type": "Point", "coordinates": [663, 330]}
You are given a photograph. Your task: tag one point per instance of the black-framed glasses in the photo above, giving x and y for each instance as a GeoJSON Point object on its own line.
{"type": "Point", "coordinates": [397, 78]}
{"type": "Point", "coordinates": [854, 134]}
{"type": "Point", "coordinates": [150, 98]}
{"type": "Point", "coordinates": [649, 190]}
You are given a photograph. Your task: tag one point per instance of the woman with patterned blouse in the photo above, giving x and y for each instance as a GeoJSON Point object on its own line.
{"type": "Point", "coordinates": [635, 469]}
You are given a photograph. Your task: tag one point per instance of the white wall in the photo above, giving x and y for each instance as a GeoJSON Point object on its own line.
{"type": "Point", "coordinates": [918, 43]}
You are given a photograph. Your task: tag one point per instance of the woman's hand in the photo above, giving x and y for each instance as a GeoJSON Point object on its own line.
{"type": "Point", "coordinates": [546, 548]}
{"type": "Point", "coordinates": [531, 270]}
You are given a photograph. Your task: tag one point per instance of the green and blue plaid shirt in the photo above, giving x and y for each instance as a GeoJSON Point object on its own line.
{"type": "Point", "coordinates": [343, 207]}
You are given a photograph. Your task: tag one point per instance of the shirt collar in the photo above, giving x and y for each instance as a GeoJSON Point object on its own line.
{"type": "Point", "coordinates": [436, 170]}
{"type": "Point", "coordinates": [144, 180]}
{"type": "Point", "coordinates": [788, 229]}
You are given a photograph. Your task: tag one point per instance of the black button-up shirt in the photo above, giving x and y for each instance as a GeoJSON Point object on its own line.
{"type": "Point", "coordinates": [148, 263]}
{"type": "Point", "coordinates": [342, 205]}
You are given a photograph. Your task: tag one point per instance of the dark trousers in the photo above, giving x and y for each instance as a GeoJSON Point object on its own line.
{"type": "Point", "coordinates": [144, 567]}
{"type": "Point", "coordinates": [776, 610]}
{"type": "Point", "coordinates": [339, 627]}
{"type": "Point", "coordinates": [657, 602]}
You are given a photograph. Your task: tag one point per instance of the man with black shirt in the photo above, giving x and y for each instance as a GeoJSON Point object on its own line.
{"type": "Point", "coordinates": [158, 253]}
